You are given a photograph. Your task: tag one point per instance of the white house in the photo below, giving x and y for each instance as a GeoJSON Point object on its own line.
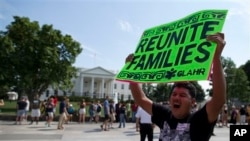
{"type": "Point", "coordinates": [95, 82]}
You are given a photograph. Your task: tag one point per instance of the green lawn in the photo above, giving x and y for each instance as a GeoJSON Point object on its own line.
{"type": "Point", "coordinates": [10, 108]}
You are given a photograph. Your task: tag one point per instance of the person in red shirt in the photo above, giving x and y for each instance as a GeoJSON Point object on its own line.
{"type": "Point", "coordinates": [55, 100]}
{"type": "Point", "coordinates": [134, 108]}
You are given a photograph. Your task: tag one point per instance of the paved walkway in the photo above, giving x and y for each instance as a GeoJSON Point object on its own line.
{"type": "Point", "coordinates": [80, 132]}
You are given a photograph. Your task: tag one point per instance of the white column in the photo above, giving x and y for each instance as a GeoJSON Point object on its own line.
{"type": "Point", "coordinates": [112, 86]}
{"type": "Point", "coordinates": [82, 87]}
{"type": "Point", "coordinates": [81, 84]}
{"type": "Point", "coordinates": [92, 87]}
{"type": "Point", "coordinates": [102, 87]}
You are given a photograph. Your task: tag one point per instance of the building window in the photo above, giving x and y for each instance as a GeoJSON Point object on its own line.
{"type": "Point", "coordinates": [115, 86]}
{"type": "Point", "coordinates": [55, 92]}
{"type": "Point", "coordinates": [47, 93]}
{"type": "Point", "coordinates": [122, 86]}
{"type": "Point", "coordinates": [129, 97]}
{"type": "Point", "coordinates": [104, 85]}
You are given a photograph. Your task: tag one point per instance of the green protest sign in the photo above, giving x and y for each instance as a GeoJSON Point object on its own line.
{"type": "Point", "coordinates": [176, 51]}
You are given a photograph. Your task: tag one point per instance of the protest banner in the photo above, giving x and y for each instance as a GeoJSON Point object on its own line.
{"type": "Point", "coordinates": [176, 51]}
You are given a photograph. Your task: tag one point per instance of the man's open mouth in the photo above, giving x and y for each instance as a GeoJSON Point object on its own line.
{"type": "Point", "coordinates": [176, 106]}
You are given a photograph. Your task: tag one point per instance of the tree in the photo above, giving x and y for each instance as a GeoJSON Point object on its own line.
{"type": "Point", "coordinates": [162, 91]}
{"type": "Point", "coordinates": [37, 57]}
{"type": "Point", "coordinates": [246, 68]}
{"type": "Point", "coordinates": [236, 81]}
{"type": "Point", "coordinates": [228, 66]}
{"type": "Point", "coordinates": [200, 94]}
{"type": "Point", "coordinates": [239, 88]}
{"type": "Point", "coordinates": [6, 48]}
{"type": "Point", "coordinates": [148, 89]}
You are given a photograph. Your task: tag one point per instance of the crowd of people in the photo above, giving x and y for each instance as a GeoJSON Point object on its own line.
{"type": "Point", "coordinates": [121, 112]}
{"type": "Point", "coordinates": [37, 108]}
{"type": "Point", "coordinates": [239, 115]}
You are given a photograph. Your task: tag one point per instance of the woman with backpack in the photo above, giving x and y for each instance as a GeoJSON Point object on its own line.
{"type": "Point", "coordinates": [71, 112]}
{"type": "Point", "coordinates": [98, 109]}
{"type": "Point", "coordinates": [91, 111]}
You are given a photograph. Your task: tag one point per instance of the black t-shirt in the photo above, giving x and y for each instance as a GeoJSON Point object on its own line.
{"type": "Point", "coordinates": [122, 110]}
{"type": "Point", "coordinates": [62, 106]}
{"type": "Point", "coordinates": [242, 111]}
{"type": "Point", "coordinates": [35, 104]}
{"type": "Point", "coordinates": [49, 107]}
{"type": "Point", "coordinates": [195, 127]}
{"type": "Point", "coordinates": [21, 105]}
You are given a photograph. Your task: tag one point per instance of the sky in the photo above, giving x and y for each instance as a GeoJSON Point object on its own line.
{"type": "Point", "coordinates": [109, 30]}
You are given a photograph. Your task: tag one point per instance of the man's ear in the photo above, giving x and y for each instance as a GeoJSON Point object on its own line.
{"type": "Point", "coordinates": [193, 101]}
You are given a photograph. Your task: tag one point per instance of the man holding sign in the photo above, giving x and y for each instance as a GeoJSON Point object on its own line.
{"type": "Point", "coordinates": [177, 123]}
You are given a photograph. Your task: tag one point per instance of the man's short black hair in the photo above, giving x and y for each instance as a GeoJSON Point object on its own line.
{"type": "Point", "coordinates": [188, 85]}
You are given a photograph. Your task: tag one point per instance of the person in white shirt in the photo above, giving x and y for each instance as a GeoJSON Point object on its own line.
{"type": "Point", "coordinates": [27, 108]}
{"type": "Point", "coordinates": [143, 121]}
{"type": "Point", "coordinates": [35, 109]}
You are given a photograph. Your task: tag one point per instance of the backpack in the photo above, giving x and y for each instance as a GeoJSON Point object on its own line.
{"type": "Point", "coordinates": [99, 108]}
{"type": "Point", "coordinates": [71, 110]}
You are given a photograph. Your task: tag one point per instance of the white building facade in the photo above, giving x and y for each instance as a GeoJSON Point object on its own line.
{"type": "Point", "coordinates": [96, 83]}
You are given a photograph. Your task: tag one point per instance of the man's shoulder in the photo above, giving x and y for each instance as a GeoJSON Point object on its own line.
{"type": "Point", "coordinates": [199, 116]}
{"type": "Point", "coordinates": [160, 106]}
{"type": "Point", "coordinates": [158, 109]}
